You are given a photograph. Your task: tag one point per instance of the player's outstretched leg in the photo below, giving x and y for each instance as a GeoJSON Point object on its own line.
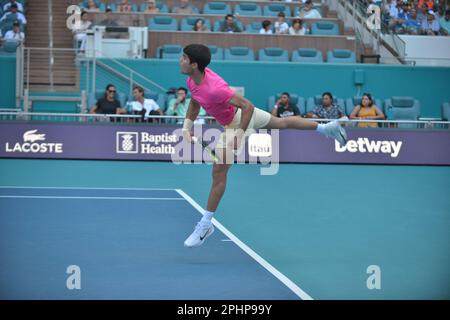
{"type": "Point", "coordinates": [331, 129]}
{"type": "Point", "coordinates": [204, 227]}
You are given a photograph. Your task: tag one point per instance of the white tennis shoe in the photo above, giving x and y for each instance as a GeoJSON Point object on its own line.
{"type": "Point", "coordinates": [335, 130]}
{"type": "Point", "coordinates": [202, 231]}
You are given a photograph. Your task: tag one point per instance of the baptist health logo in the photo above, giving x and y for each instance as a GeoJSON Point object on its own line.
{"type": "Point", "coordinates": [31, 144]}
{"type": "Point", "coordinates": [127, 142]}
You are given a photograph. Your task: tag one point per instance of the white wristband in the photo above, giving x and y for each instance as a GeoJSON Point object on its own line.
{"type": "Point", "coordinates": [187, 124]}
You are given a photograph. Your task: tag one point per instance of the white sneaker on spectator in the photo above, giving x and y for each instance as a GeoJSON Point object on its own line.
{"type": "Point", "coordinates": [202, 231]}
{"type": "Point", "coordinates": [335, 130]}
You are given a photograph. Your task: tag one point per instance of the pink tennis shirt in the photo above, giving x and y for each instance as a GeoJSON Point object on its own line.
{"type": "Point", "coordinates": [213, 94]}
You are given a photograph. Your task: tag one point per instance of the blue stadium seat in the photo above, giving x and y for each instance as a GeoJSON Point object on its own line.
{"type": "Point", "coordinates": [253, 27]}
{"type": "Point", "coordinates": [188, 23]}
{"type": "Point", "coordinates": [239, 53]}
{"type": "Point", "coordinates": [315, 101]}
{"type": "Point", "coordinates": [272, 10]}
{"type": "Point", "coordinates": [219, 23]}
{"type": "Point", "coordinates": [10, 46]}
{"type": "Point", "coordinates": [325, 28]}
{"type": "Point", "coordinates": [217, 8]}
{"type": "Point", "coordinates": [403, 108]}
{"type": "Point", "coordinates": [216, 52]}
{"type": "Point", "coordinates": [351, 103]}
{"type": "Point", "coordinates": [169, 51]}
{"type": "Point", "coordinates": [341, 56]}
{"type": "Point", "coordinates": [163, 23]}
{"type": "Point", "coordinates": [446, 111]}
{"type": "Point", "coordinates": [162, 7]}
{"type": "Point", "coordinates": [247, 9]}
{"type": "Point", "coordinates": [300, 102]}
{"type": "Point", "coordinates": [273, 54]}
{"type": "Point", "coordinates": [307, 55]}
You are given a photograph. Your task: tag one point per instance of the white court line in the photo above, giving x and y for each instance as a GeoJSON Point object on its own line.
{"type": "Point", "coordinates": [85, 188]}
{"type": "Point", "coordinates": [89, 198]}
{"type": "Point", "coordinates": [288, 282]}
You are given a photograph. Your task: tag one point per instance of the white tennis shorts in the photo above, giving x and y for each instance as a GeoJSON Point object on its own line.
{"type": "Point", "coordinates": [260, 119]}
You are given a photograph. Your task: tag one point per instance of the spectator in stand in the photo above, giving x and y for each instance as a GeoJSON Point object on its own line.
{"type": "Point", "coordinates": [151, 7]}
{"type": "Point", "coordinates": [124, 6]}
{"type": "Point", "coordinates": [412, 25]}
{"type": "Point", "coordinates": [284, 108]}
{"type": "Point", "coordinates": [229, 25]}
{"type": "Point", "coordinates": [444, 23]}
{"type": "Point", "coordinates": [367, 110]}
{"type": "Point", "coordinates": [109, 20]}
{"type": "Point", "coordinates": [327, 110]}
{"type": "Point", "coordinates": [281, 27]}
{"type": "Point", "coordinates": [92, 6]}
{"type": "Point", "coordinates": [200, 26]}
{"type": "Point", "coordinates": [430, 26]}
{"type": "Point", "coordinates": [80, 28]}
{"type": "Point", "coordinates": [308, 12]}
{"type": "Point", "coordinates": [15, 33]}
{"type": "Point", "coordinates": [266, 27]}
{"type": "Point", "coordinates": [14, 11]}
{"type": "Point", "coordinates": [108, 104]}
{"type": "Point", "coordinates": [178, 106]}
{"type": "Point", "coordinates": [184, 8]}
{"type": "Point", "coordinates": [145, 107]}
{"type": "Point", "coordinates": [8, 5]}
{"type": "Point", "coordinates": [426, 4]}
{"type": "Point", "coordinates": [297, 28]}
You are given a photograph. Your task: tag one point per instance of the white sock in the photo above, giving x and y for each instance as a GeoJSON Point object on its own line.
{"type": "Point", "coordinates": [321, 128]}
{"type": "Point", "coordinates": [207, 216]}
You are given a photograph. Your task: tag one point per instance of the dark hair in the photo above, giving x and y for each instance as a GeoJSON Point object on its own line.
{"type": "Point", "coordinates": [369, 96]}
{"type": "Point", "coordinates": [281, 14]}
{"type": "Point", "coordinates": [266, 23]}
{"type": "Point", "coordinates": [108, 9]}
{"type": "Point", "coordinates": [198, 53]}
{"type": "Point", "coordinates": [297, 21]}
{"type": "Point", "coordinates": [229, 15]}
{"type": "Point", "coordinates": [308, 2]}
{"type": "Point", "coordinates": [14, 5]}
{"type": "Point", "coordinates": [182, 89]}
{"type": "Point", "coordinates": [328, 94]}
{"type": "Point", "coordinates": [286, 94]}
{"type": "Point", "coordinates": [139, 88]}
{"type": "Point", "coordinates": [107, 88]}
{"type": "Point", "coordinates": [195, 24]}
{"type": "Point", "coordinates": [83, 13]}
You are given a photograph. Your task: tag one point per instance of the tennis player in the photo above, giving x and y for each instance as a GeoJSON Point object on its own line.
{"type": "Point", "coordinates": [237, 115]}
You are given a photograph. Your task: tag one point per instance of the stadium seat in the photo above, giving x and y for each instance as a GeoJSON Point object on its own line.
{"type": "Point", "coordinates": [247, 9]}
{"type": "Point", "coordinates": [446, 111]}
{"type": "Point", "coordinates": [163, 23]}
{"type": "Point", "coordinates": [272, 10]}
{"type": "Point", "coordinates": [325, 28]}
{"type": "Point", "coordinates": [273, 54]}
{"type": "Point", "coordinates": [10, 46]}
{"type": "Point", "coordinates": [300, 102]}
{"type": "Point", "coordinates": [351, 103]}
{"type": "Point", "coordinates": [216, 52]}
{"type": "Point", "coordinates": [239, 53]}
{"type": "Point", "coordinates": [315, 101]}
{"type": "Point", "coordinates": [217, 8]}
{"type": "Point", "coordinates": [341, 56]}
{"type": "Point", "coordinates": [403, 108]}
{"type": "Point", "coordinates": [188, 23]}
{"type": "Point", "coordinates": [307, 55]}
{"type": "Point", "coordinates": [219, 23]}
{"type": "Point", "coordinates": [162, 7]}
{"type": "Point", "coordinates": [253, 27]}
{"type": "Point", "coordinates": [169, 51]}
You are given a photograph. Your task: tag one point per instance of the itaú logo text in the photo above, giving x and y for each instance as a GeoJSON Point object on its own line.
{"type": "Point", "coordinates": [31, 145]}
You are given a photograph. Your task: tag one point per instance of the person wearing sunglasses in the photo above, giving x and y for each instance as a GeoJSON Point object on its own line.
{"type": "Point", "coordinates": [108, 104]}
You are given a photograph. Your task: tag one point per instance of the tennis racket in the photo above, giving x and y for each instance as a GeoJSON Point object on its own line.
{"type": "Point", "coordinates": [207, 148]}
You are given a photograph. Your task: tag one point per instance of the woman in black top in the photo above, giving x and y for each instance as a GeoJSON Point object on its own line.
{"type": "Point", "coordinates": [108, 104]}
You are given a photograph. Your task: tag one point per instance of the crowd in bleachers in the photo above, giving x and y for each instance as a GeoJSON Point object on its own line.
{"type": "Point", "coordinates": [12, 25]}
{"type": "Point", "coordinates": [416, 17]}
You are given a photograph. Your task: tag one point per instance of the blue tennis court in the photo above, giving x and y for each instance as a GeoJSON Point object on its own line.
{"type": "Point", "coordinates": [123, 224]}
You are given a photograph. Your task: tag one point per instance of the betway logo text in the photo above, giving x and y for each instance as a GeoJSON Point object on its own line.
{"type": "Point", "coordinates": [30, 144]}
{"type": "Point", "coordinates": [364, 145]}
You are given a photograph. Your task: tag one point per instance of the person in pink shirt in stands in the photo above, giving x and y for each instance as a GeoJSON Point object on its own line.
{"type": "Point", "coordinates": [238, 116]}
